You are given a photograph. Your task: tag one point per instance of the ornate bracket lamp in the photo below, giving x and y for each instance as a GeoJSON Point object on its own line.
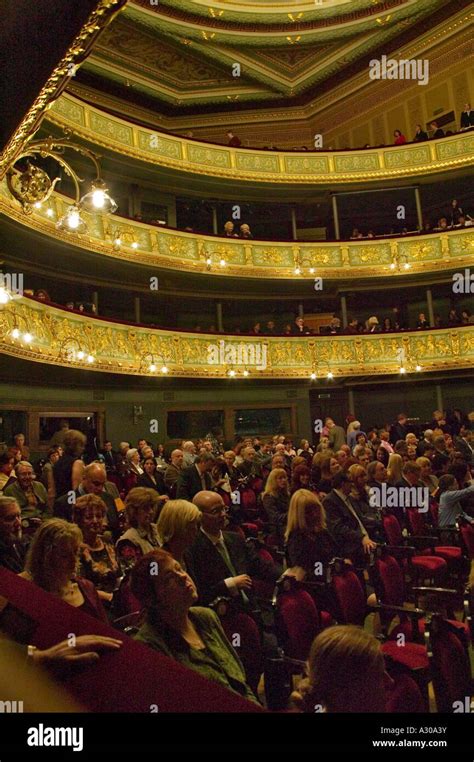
{"type": "Point", "coordinates": [148, 363]}
{"type": "Point", "coordinates": [71, 350]}
{"type": "Point", "coordinates": [33, 186]}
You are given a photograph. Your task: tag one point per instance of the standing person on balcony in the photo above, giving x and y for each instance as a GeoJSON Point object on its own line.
{"type": "Point", "coordinates": [467, 117]}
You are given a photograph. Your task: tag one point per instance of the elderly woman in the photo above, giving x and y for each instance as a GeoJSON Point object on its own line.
{"type": "Point", "coordinates": [175, 627]}
{"type": "Point", "coordinates": [177, 527]}
{"type": "Point", "coordinates": [98, 562]}
{"type": "Point", "coordinates": [276, 500]}
{"type": "Point", "coordinates": [142, 537]}
{"type": "Point", "coordinates": [133, 469]}
{"type": "Point", "coordinates": [51, 563]}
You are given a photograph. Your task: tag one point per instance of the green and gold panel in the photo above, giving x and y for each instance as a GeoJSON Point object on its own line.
{"type": "Point", "coordinates": [285, 167]}
{"type": "Point", "coordinates": [273, 256]}
{"type": "Point", "coordinates": [461, 244]}
{"type": "Point", "coordinates": [177, 246]}
{"type": "Point", "coordinates": [420, 251]}
{"type": "Point", "coordinates": [370, 255]}
{"type": "Point", "coordinates": [56, 337]}
{"type": "Point", "coordinates": [408, 156]}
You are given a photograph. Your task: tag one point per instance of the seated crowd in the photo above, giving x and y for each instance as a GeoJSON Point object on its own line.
{"type": "Point", "coordinates": [166, 534]}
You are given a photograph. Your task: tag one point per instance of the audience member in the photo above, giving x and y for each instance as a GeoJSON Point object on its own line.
{"type": "Point", "coordinates": [178, 526]}
{"type": "Point", "coordinates": [141, 537]}
{"type": "Point", "coordinates": [30, 495]}
{"type": "Point", "coordinates": [97, 559]}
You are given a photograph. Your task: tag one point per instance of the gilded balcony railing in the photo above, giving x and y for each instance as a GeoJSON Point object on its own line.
{"type": "Point", "coordinates": [151, 245]}
{"type": "Point", "coordinates": [42, 333]}
{"type": "Point", "coordinates": [282, 167]}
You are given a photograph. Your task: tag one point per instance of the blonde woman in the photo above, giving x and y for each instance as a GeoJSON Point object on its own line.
{"type": "Point", "coordinates": [52, 561]}
{"type": "Point", "coordinates": [177, 527]}
{"type": "Point", "coordinates": [309, 545]}
{"type": "Point", "coordinates": [394, 468]}
{"type": "Point", "coordinates": [276, 500]}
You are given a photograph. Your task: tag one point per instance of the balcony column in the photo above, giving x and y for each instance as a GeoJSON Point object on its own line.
{"type": "Point", "coordinates": [294, 229]}
{"type": "Point", "coordinates": [429, 303]}
{"type": "Point", "coordinates": [300, 310]}
{"type": "Point", "coordinates": [215, 228]}
{"type": "Point", "coordinates": [344, 310]}
{"type": "Point", "coordinates": [95, 301]}
{"type": "Point", "coordinates": [136, 304]}
{"type": "Point", "coordinates": [220, 324]}
{"type": "Point", "coordinates": [335, 217]}
{"type": "Point", "coordinates": [350, 401]}
{"type": "Point", "coordinates": [439, 397]}
{"type": "Point", "coordinates": [419, 210]}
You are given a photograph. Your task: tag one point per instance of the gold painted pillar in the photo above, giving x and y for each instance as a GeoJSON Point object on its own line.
{"type": "Point", "coordinates": [335, 217]}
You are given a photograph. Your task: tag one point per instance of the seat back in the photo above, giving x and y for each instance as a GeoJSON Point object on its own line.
{"type": "Point", "coordinates": [243, 634]}
{"type": "Point", "coordinates": [349, 593]}
{"type": "Point", "coordinates": [388, 578]}
{"type": "Point", "coordinates": [449, 661]}
{"type": "Point", "coordinates": [404, 696]}
{"type": "Point", "coordinates": [467, 534]}
{"type": "Point", "coordinates": [296, 618]}
{"type": "Point", "coordinates": [392, 529]}
{"type": "Point", "coordinates": [416, 521]}
{"type": "Point", "coordinates": [124, 602]}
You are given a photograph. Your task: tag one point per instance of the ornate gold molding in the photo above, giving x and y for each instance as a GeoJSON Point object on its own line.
{"type": "Point", "coordinates": [98, 19]}
{"type": "Point", "coordinates": [175, 250]}
{"type": "Point", "coordinates": [288, 167]}
{"type": "Point", "coordinates": [58, 337]}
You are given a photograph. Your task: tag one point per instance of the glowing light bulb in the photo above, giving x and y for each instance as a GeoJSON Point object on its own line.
{"type": "Point", "coordinates": [90, 359]}
{"type": "Point", "coordinates": [164, 369]}
{"type": "Point", "coordinates": [16, 333]}
{"type": "Point", "coordinates": [80, 355]}
{"type": "Point", "coordinates": [222, 263]}
{"type": "Point", "coordinates": [73, 220]}
{"type": "Point", "coordinates": [418, 368]}
{"type": "Point", "coordinates": [134, 245]}
{"type": "Point", "coordinates": [246, 372]}
{"type": "Point", "coordinates": [118, 241]}
{"type": "Point", "coordinates": [152, 367]}
{"type": "Point", "coordinates": [232, 373]}
{"type": "Point", "coordinates": [297, 271]}
{"type": "Point", "coordinates": [330, 374]}
{"type": "Point", "coordinates": [4, 295]}
{"type": "Point", "coordinates": [208, 261]}
{"type": "Point", "coordinates": [311, 269]}
{"type": "Point", "coordinates": [27, 338]}
{"type": "Point", "coordinates": [49, 212]}
{"type": "Point", "coordinates": [406, 266]}
{"type": "Point", "coordinates": [392, 266]}
{"type": "Point", "coordinates": [98, 199]}
{"type": "Point", "coordinates": [403, 370]}
{"type": "Point", "coordinates": [313, 376]}
{"type": "Point", "coordinates": [37, 205]}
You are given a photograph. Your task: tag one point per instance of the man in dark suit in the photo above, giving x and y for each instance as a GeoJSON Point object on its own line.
{"type": "Point", "coordinates": [195, 478]}
{"type": "Point", "coordinates": [13, 546]}
{"type": "Point", "coordinates": [222, 563]}
{"type": "Point", "coordinates": [464, 444]}
{"type": "Point", "coordinates": [110, 458]}
{"type": "Point", "coordinates": [399, 430]}
{"type": "Point", "coordinates": [93, 482]}
{"type": "Point", "coordinates": [344, 523]}
{"type": "Point", "coordinates": [467, 117]}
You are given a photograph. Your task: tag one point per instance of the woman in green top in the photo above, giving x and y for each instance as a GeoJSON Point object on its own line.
{"type": "Point", "coordinates": [192, 635]}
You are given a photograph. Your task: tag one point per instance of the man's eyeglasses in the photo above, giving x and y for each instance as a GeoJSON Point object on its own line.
{"type": "Point", "coordinates": [218, 509]}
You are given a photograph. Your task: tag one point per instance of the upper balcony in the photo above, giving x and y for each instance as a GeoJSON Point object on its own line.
{"type": "Point", "coordinates": [284, 169]}
{"type": "Point", "coordinates": [46, 334]}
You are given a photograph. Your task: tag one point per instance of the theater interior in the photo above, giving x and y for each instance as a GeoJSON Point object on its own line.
{"type": "Point", "coordinates": [237, 337]}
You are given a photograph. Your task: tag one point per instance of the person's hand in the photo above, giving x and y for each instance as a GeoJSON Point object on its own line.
{"type": "Point", "coordinates": [243, 581]}
{"type": "Point", "coordinates": [368, 544]}
{"type": "Point", "coordinates": [84, 651]}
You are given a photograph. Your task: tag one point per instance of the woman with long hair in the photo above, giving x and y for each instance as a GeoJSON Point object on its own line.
{"type": "Point", "coordinates": [52, 561]}
{"type": "Point", "coordinates": [329, 468]}
{"type": "Point", "coordinates": [309, 544]}
{"type": "Point", "coordinates": [276, 501]}
{"type": "Point", "coordinates": [300, 478]}
{"type": "Point", "coordinates": [394, 468]}
{"type": "Point", "coordinates": [369, 515]}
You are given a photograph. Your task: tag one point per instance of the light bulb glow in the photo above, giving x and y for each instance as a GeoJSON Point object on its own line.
{"type": "Point", "coordinates": [90, 359]}
{"type": "Point", "coordinates": [118, 241]}
{"type": "Point", "coordinates": [311, 269]}
{"type": "Point", "coordinates": [164, 369]}
{"type": "Point", "coordinates": [418, 368]}
{"type": "Point", "coordinates": [222, 263]}
{"type": "Point", "coordinates": [208, 261]}
{"type": "Point", "coordinates": [16, 333]}
{"type": "Point", "coordinates": [98, 199]}
{"type": "Point", "coordinates": [73, 220]}
{"type": "Point", "coordinates": [297, 271]}
{"type": "Point", "coordinates": [49, 212]}
{"type": "Point", "coordinates": [392, 266]}
{"type": "Point", "coordinates": [134, 245]}
{"type": "Point", "coordinates": [80, 355]}
{"type": "Point", "coordinates": [403, 370]}
{"type": "Point", "coordinates": [152, 367]}
{"type": "Point", "coordinates": [4, 295]}
{"type": "Point", "coordinates": [27, 338]}
{"type": "Point", "coordinates": [232, 373]}
{"type": "Point", "coordinates": [313, 376]}
{"type": "Point", "coordinates": [246, 372]}
{"type": "Point", "coordinates": [330, 374]}
{"type": "Point", "coordinates": [37, 205]}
